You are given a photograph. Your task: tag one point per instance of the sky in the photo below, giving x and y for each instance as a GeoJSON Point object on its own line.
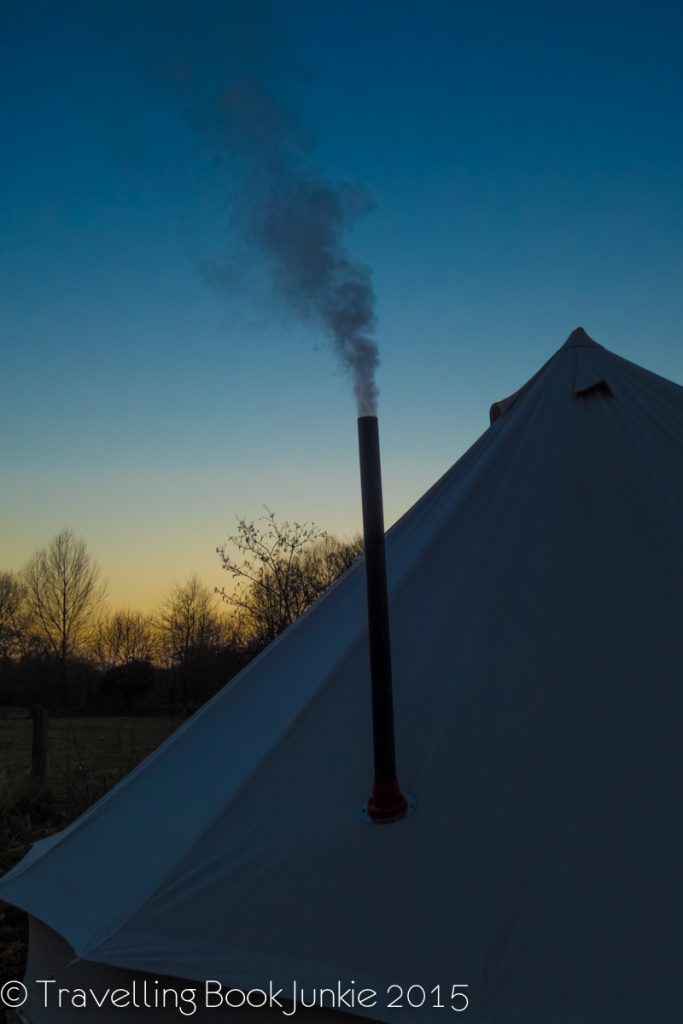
{"type": "Point", "coordinates": [524, 162]}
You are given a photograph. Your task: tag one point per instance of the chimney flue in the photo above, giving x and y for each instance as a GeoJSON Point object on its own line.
{"type": "Point", "coordinates": [387, 802]}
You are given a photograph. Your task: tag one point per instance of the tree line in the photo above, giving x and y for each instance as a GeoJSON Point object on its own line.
{"type": "Point", "coordinates": [62, 646]}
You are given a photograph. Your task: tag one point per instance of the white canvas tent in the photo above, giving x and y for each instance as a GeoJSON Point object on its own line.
{"type": "Point", "coordinates": [537, 621]}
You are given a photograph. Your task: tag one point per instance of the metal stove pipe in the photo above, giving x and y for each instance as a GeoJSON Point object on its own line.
{"type": "Point", "coordinates": [387, 802]}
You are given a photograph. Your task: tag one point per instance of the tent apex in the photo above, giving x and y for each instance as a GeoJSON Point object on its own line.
{"type": "Point", "coordinates": [579, 339]}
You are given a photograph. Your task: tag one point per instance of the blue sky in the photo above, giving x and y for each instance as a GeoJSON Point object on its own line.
{"type": "Point", "coordinates": [525, 162]}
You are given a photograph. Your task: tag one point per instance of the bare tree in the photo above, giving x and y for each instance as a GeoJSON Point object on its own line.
{"type": "Point", "coordinates": [283, 568]}
{"type": "Point", "coordinates": [325, 560]}
{"type": "Point", "coordinates": [63, 590]}
{"type": "Point", "coordinates": [190, 628]}
{"type": "Point", "coordinates": [123, 636]}
{"type": "Point", "coordinates": [14, 633]}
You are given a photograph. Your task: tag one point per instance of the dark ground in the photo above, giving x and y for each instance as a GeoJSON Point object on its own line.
{"type": "Point", "coordinates": [86, 757]}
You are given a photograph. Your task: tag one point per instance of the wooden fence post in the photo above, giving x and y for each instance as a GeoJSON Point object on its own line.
{"type": "Point", "coordinates": [39, 748]}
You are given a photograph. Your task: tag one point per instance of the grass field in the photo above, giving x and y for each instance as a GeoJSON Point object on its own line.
{"type": "Point", "coordinates": [82, 752]}
{"type": "Point", "coordinates": [86, 756]}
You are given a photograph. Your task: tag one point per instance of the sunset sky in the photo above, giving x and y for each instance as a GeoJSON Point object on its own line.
{"type": "Point", "coordinates": [526, 166]}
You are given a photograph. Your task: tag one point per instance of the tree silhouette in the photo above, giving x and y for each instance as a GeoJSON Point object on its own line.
{"type": "Point", "coordinates": [123, 636]}
{"type": "Point", "coordinates": [190, 630]}
{"type": "Point", "coordinates": [14, 632]}
{"type": "Point", "coordinates": [63, 590]}
{"type": "Point", "coordinates": [283, 568]}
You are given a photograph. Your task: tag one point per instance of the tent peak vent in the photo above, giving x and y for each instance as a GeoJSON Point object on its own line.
{"type": "Point", "coordinates": [600, 385]}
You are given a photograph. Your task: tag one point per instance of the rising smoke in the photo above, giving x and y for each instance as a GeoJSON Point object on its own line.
{"type": "Point", "coordinates": [232, 60]}
{"type": "Point", "coordinates": [296, 220]}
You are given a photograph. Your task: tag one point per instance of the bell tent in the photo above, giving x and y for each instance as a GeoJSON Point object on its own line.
{"type": "Point", "coordinates": [536, 602]}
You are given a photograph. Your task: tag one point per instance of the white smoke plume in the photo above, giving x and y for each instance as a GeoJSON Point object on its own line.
{"type": "Point", "coordinates": [232, 62]}
{"type": "Point", "coordinates": [296, 220]}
